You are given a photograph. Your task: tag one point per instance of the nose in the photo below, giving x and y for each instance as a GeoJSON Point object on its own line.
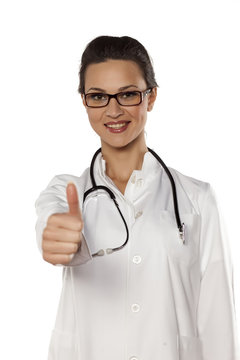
{"type": "Point", "coordinates": [113, 109]}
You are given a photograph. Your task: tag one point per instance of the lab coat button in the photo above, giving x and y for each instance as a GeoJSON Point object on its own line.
{"type": "Point", "coordinates": [133, 358]}
{"type": "Point", "coordinates": [135, 308]}
{"type": "Point", "coordinates": [137, 259]}
{"type": "Point", "coordinates": [138, 214]}
{"type": "Point", "coordinates": [133, 179]}
{"type": "Point", "coordinates": [139, 182]}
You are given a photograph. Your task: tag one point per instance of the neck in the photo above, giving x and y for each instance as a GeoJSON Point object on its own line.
{"type": "Point", "coordinates": [120, 162]}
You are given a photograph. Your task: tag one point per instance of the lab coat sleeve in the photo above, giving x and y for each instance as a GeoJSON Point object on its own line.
{"type": "Point", "coordinates": [54, 200]}
{"type": "Point", "coordinates": [216, 317]}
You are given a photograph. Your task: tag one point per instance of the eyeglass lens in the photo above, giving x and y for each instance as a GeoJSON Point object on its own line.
{"type": "Point", "coordinates": [126, 98]}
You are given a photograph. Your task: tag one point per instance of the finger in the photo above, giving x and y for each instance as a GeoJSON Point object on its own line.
{"type": "Point", "coordinates": [62, 235]}
{"type": "Point", "coordinates": [72, 198]}
{"type": "Point", "coordinates": [64, 221]}
{"type": "Point", "coordinates": [57, 258]}
{"type": "Point", "coordinates": [58, 247]}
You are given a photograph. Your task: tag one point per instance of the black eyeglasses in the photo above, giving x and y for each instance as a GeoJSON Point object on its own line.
{"type": "Point", "coordinates": [124, 98]}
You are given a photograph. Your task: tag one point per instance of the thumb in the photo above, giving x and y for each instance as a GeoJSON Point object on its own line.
{"type": "Point", "coordinates": [72, 199]}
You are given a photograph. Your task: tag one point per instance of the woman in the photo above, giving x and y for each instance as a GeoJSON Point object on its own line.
{"type": "Point", "coordinates": [167, 293]}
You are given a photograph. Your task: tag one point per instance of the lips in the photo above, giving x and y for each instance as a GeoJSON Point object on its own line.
{"type": "Point", "coordinates": [117, 127]}
{"type": "Point", "coordinates": [116, 124]}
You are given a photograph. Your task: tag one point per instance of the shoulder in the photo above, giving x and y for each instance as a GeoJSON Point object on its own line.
{"type": "Point", "coordinates": [58, 183]}
{"type": "Point", "coordinates": [191, 183]}
{"type": "Point", "coordinates": [195, 190]}
{"type": "Point", "coordinates": [63, 179]}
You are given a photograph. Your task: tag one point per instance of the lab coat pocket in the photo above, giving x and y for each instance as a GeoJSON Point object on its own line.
{"type": "Point", "coordinates": [190, 347]}
{"type": "Point", "coordinates": [63, 346]}
{"type": "Point", "coordinates": [186, 253]}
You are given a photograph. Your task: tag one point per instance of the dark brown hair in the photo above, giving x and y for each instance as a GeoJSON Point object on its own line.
{"type": "Point", "coordinates": [103, 48]}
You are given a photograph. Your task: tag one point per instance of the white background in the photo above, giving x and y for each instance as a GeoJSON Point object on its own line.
{"type": "Point", "coordinates": [45, 131]}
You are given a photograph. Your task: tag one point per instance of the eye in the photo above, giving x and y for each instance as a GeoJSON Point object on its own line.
{"type": "Point", "coordinates": [97, 97]}
{"type": "Point", "coordinates": [129, 94]}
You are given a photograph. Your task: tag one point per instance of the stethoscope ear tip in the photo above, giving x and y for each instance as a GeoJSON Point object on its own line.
{"type": "Point", "coordinates": [101, 252]}
{"type": "Point", "coordinates": [109, 251]}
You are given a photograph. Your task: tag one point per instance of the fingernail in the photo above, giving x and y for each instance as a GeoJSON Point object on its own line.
{"type": "Point", "coordinates": [71, 256]}
{"type": "Point", "coordinates": [58, 264]}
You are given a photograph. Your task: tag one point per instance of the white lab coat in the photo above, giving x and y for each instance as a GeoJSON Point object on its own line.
{"type": "Point", "coordinates": [156, 299]}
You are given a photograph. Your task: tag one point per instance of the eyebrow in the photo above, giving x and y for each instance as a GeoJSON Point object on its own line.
{"type": "Point", "coordinates": [120, 89]}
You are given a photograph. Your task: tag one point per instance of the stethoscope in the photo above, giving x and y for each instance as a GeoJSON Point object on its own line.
{"type": "Point", "coordinates": [181, 226]}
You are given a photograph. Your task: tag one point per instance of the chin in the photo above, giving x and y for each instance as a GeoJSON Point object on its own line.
{"type": "Point", "coordinates": [118, 144]}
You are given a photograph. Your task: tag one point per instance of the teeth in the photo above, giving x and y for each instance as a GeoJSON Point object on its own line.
{"type": "Point", "coordinates": [116, 126]}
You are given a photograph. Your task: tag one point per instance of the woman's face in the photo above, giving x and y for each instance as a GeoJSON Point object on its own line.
{"type": "Point", "coordinates": [111, 77]}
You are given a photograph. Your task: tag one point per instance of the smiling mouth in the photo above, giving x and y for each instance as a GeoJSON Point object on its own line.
{"type": "Point", "coordinates": [117, 125]}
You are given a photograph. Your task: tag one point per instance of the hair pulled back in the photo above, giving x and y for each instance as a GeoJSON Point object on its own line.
{"type": "Point", "coordinates": [103, 48]}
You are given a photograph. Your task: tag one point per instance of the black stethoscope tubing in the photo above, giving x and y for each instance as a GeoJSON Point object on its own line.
{"type": "Point", "coordinates": [112, 196]}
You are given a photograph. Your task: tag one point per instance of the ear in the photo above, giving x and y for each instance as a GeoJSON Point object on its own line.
{"type": "Point", "coordinates": [84, 103]}
{"type": "Point", "coordinates": [151, 98]}
{"type": "Point", "coordinates": [83, 100]}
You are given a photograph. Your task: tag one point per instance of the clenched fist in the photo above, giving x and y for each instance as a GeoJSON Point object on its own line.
{"type": "Point", "coordinates": [62, 235]}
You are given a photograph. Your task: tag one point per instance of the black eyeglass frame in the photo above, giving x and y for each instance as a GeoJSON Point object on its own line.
{"type": "Point", "coordinates": [115, 96]}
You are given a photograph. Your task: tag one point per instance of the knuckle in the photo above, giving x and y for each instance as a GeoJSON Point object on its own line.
{"type": "Point", "coordinates": [47, 245]}
{"type": "Point", "coordinates": [71, 248]}
{"type": "Point", "coordinates": [44, 245]}
{"type": "Point", "coordinates": [54, 217]}
{"type": "Point", "coordinates": [75, 248]}
{"type": "Point", "coordinates": [66, 259]}
{"type": "Point", "coordinates": [77, 236]}
{"type": "Point", "coordinates": [46, 256]}
{"type": "Point", "coordinates": [45, 233]}
{"type": "Point", "coordinates": [51, 218]}
{"type": "Point", "coordinates": [79, 225]}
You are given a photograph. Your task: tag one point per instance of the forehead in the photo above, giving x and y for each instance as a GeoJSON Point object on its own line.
{"type": "Point", "coordinates": [113, 74]}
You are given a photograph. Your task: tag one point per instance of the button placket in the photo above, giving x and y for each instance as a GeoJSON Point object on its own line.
{"type": "Point", "coordinates": [134, 299]}
{"type": "Point", "coordinates": [136, 307]}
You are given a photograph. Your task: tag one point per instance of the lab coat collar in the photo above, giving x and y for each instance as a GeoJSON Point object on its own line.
{"type": "Point", "coordinates": [150, 166]}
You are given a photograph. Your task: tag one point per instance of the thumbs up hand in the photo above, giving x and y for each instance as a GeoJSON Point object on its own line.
{"type": "Point", "coordinates": [62, 236]}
